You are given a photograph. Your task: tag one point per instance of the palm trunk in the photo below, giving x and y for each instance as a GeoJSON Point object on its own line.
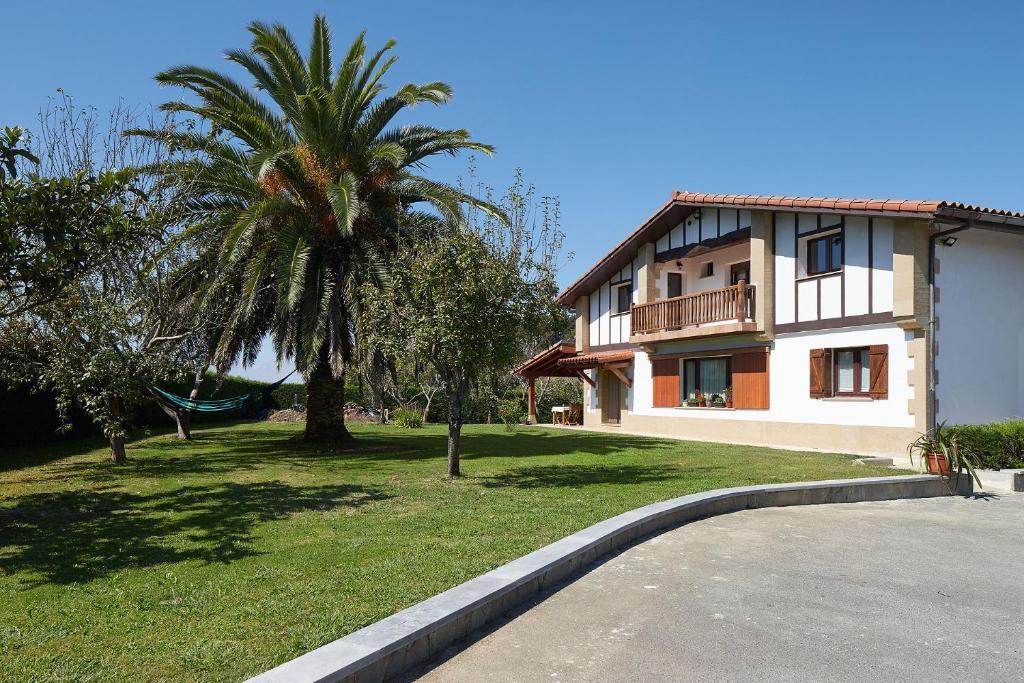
{"type": "Point", "coordinates": [325, 406]}
{"type": "Point", "coordinates": [454, 431]}
{"type": "Point", "coordinates": [117, 451]}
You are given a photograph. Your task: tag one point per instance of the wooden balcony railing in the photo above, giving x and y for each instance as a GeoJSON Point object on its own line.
{"type": "Point", "coordinates": [735, 303]}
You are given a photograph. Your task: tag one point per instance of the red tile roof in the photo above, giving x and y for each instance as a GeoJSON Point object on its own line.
{"type": "Point", "coordinates": [545, 363]}
{"type": "Point", "coordinates": [591, 360]}
{"type": "Point", "coordinates": [901, 206]}
{"type": "Point", "coordinates": [621, 253]}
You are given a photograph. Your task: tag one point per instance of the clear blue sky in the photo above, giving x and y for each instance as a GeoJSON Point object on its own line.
{"type": "Point", "coordinates": [610, 106]}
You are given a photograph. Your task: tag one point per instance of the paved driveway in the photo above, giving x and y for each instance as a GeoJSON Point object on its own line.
{"type": "Point", "coordinates": [906, 590]}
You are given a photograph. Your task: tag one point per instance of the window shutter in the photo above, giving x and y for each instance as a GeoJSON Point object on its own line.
{"type": "Point", "coordinates": [879, 360]}
{"type": "Point", "coordinates": [665, 374]}
{"type": "Point", "coordinates": [821, 373]}
{"type": "Point", "coordinates": [750, 380]}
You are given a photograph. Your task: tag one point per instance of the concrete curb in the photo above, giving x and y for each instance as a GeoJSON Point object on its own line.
{"type": "Point", "coordinates": [393, 645]}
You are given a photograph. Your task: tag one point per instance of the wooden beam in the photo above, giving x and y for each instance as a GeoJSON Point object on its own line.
{"type": "Point", "coordinates": [622, 377]}
{"type": "Point", "coordinates": [531, 401]}
{"type": "Point", "coordinates": [586, 378]}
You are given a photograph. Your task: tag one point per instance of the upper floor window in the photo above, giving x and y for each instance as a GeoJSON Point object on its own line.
{"type": "Point", "coordinates": [622, 297]}
{"type": "Point", "coordinates": [708, 269]}
{"type": "Point", "coordinates": [825, 254]}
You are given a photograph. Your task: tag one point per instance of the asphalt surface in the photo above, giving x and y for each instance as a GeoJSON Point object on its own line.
{"type": "Point", "coordinates": [904, 590]}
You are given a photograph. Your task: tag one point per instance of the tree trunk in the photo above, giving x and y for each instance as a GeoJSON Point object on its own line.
{"type": "Point", "coordinates": [325, 406]}
{"type": "Point", "coordinates": [117, 452]}
{"type": "Point", "coordinates": [454, 432]}
{"type": "Point", "coordinates": [181, 419]}
{"type": "Point", "coordinates": [426, 408]}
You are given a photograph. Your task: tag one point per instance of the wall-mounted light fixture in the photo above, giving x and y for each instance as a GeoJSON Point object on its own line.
{"type": "Point", "coordinates": [949, 241]}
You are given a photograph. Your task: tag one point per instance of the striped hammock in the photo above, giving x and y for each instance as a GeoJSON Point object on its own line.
{"type": "Point", "coordinates": [221, 406]}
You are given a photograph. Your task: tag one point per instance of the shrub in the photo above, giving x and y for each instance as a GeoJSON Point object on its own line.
{"type": "Point", "coordinates": [407, 419]}
{"type": "Point", "coordinates": [511, 413]}
{"type": "Point", "coordinates": [994, 446]}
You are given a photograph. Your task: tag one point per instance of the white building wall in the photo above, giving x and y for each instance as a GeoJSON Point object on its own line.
{"type": "Point", "coordinates": [856, 265]}
{"type": "Point", "coordinates": [691, 269]}
{"type": "Point", "coordinates": [607, 327]}
{"type": "Point", "coordinates": [785, 268]}
{"type": "Point", "coordinates": [704, 224]}
{"type": "Point", "coordinates": [980, 335]}
{"type": "Point", "coordinates": [881, 264]}
{"type": "Point", "coordinates": [862, 287]}
{"type": "Point", "coordinates": [789, 379]}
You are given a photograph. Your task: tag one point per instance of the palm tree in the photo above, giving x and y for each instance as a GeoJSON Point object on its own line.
{"type": "Point", "coordinates": [304, 187]}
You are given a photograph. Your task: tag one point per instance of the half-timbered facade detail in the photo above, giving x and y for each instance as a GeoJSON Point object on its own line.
{"type": "Point", "coordinates": [800, 322]}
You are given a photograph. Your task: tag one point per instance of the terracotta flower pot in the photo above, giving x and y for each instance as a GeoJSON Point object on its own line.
{"type": "Point", "coordinates": [728, 404]}
{"type": "Point", "coordinates": [937, 464]}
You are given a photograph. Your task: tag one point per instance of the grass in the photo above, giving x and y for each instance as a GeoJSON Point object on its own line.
{"type": "Point", "coordinates": [216, 559]}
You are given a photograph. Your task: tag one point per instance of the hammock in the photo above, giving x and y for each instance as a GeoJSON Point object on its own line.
{"type": "Point", "coordinates": [221, 406]}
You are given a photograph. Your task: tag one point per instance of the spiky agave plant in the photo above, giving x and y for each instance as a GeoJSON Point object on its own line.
{"type": "Point", "coordinates": [303, 186]}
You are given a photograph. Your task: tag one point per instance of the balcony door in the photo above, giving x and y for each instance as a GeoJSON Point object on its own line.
{"type": "Point", "coordinates": [740, 271]}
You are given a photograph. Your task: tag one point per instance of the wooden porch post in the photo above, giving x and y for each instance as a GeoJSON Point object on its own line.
{"type": "Point", "coordinates": [531, 401]}
{"type": "Point", "coordinates": [741, 301]}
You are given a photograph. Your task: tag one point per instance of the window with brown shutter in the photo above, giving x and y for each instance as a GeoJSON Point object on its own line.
{"type": "Point", "coordinates": [850, 372]}
{"type": "Point", "coordinates": [665, 375]}
{"type": "Point", "coordinates": [821, 373]}
{"type": "Point", "coordinates": [750, 380]}
{"type": "Point", "coordinates": [879, 363]}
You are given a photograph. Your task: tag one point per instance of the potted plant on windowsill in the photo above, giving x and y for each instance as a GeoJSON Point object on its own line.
{"type": "Point", "coordinates": [701, 400]}
{"type": "Point", "coordinates": [692, 401]}
{"type": "Point", "coordinates": [716, 401]}
{"type": "Point", "coordinates": [942, 454]}
{"type": "Point", "coordinates": [728, 397]}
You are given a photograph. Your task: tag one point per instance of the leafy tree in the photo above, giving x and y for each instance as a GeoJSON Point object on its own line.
{"type": "Point", "coordinates": [303, 193]}
{"type": "Point", "coordinates": [12, 152]}
{"type": "Point", "coordinates": [473, 293]}
{"type": "Point", "coordinates": [54, 229]}
{"type": "Point", "coordinates": [87, 309]}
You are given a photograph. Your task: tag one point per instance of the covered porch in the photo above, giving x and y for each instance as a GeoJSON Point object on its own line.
{"type": "Point", "coordinates": [562, 360]}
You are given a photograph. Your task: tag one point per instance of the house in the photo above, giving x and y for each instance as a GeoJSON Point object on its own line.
{"type": "Point", "coordinates": [845, 325]}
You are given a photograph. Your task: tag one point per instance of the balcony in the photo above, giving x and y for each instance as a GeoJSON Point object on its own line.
{"type": "Point", "coordinates": [729, 310]}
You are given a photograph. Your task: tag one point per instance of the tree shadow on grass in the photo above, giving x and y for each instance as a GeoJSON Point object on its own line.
{"type": "Point", "coordinates": [576, 475]}
{"type": "Point", "coordinates": [74, 536]}
{"type": "Point", "coordinates": [239, 449]}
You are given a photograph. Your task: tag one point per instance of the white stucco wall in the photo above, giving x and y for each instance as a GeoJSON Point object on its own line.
{"type": "Point", "coordinates": [607, 327]}
{"type": "Point", "coordinates": [690, 268]}
{"type": "Point", "coordinates": [866, 284]}
{"type": "Point", "coordinates": [980, 334]}
{"type": "Point", "coordinates": [789, 382]}
{"type": "Point", "coordinates": [704, 224]}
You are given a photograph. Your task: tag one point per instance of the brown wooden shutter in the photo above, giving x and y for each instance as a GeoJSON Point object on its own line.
{"type": "Point", "coordinates": [750, 380]}
{"type": "Point", "coordinates": [821, 373]}
{"type": "Point", "coordinates": [665, 374]}
{"type": "Point", "coordinates": [879, 359]}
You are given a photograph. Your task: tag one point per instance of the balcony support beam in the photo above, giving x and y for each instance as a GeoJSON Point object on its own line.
{"type": "Point", "coordinates": [615, 370]}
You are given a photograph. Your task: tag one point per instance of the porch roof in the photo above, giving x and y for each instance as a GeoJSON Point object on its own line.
{"type": "Point", "coordinates": [593, 360]}
{"type": "Point", "coordinates": [545, 363]}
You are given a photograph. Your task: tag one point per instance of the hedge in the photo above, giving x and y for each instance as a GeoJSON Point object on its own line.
{"type": "Point", "coordinates": [32, 418]}
{"type": "Point", "coordinates": [994, 446]}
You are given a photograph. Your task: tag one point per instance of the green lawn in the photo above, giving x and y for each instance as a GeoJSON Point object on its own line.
{"type": "Point", "coordinates": [216, 559]}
